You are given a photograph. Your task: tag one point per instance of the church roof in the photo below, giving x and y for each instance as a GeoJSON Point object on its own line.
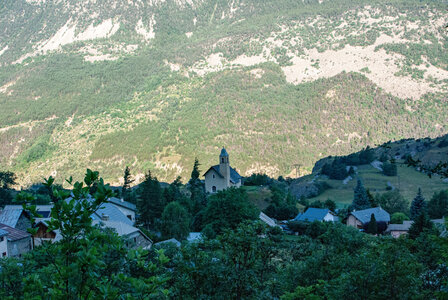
{"type": "Point", "coordinates": [234, 176]}
{"type": "Point", "coordinates": [224, 152]}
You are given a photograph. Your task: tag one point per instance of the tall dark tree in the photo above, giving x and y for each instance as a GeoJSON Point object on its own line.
{"type": "Point", "coordinates": [360, 200]}
{"type": "Point", "coordinates": [372, 228]}
{"type": "Point", "coordinates": [438, 205]}
{"type": "Point", "coordinates": [197, 189]}
{"type": "Point", "coordinates": [127, 180]}
{"type": "Point", "coordinates": [418, 205]}
{"type": "Point", "coordinates": [7, 179]}
{"type": "Point", "coordinates": [150, 202]}
{"type": "Point", "coordinates": [372, 199]}
{"type": "Point", "coordinates": [421, 224]}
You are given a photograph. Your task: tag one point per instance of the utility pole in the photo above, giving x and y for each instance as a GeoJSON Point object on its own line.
{"type": "Point", "coordinates": [297, 167]}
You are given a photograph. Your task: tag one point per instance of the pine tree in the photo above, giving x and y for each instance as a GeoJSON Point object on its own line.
{"type": "Point", "coordinates": [372, 228]}
{"type": "Point", "coordinates": [421, 224]}
{"type": "Point", "coordinates": [418, 205]}
{"type": "Point", "coordinates": [126, 183]}
{"type": "Point", "coordinates": [197, 189]}
{"type": "Point", "coordinates": [150, 203]}
{"type": "Point", "coordinates": [361, 199]}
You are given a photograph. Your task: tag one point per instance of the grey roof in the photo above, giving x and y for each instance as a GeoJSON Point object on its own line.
{"type": "Point", "coordinates": [123, 203]}
{"type": "Point", "coordinates": [120, 228]}
{"type": "Point", "coordinates": [114, 214]}
{"type": "Point", "coordinates": [194, 237]}
{"type": "Point", "coordinates": [313, 214]}
{"type": "Point", "coordinates": [110, 210]}
{"type": "Point", "coordinates": [10, 216]}
{"type": "Point", "coordinates": [13, 233]}
{"type": "Point", "coordinates": [234, 176]}
{"type": "Point", "coordinates": [399, 227]}
{"type": "Point", "coordinates": [224, 152]}
{"type": "Point", "coordinates": [170, 241]}
{"type": "Point", "coordinates": [3, 232]}
{"type": "Point", "coordinates": [44, 209]}
{"type": "Point", "coordinates": [364, 215]}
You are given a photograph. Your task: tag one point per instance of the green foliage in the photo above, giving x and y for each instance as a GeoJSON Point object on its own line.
{"type": "Point", "coordinates": [88, 262]}
{"type": "Point", "coordinates": [337, 170]}
{"type": "Point", "coordinates": [418, 205]}
{"type": "Point", "coordinates": [228, 208]}
{"type": "Point", "coordinates": [360, 199]}
{"type": "Point", "coordinates": [389, 168]}
{"type": "Point", "coordinates": [127, 180]}
{"type": "Point", "coordinates": [7, 179]}
{"type": "Point", "coordinates": [372, 228]}
{"type": "Point", "coordinates": [393, 202]}
{"type": "Point", "coordinates": [438, 205]}
{"type": "Point", "coordinates": [175, 221]}
{"type": "Point", "coordinates": [421, 224]}
{"type": "Point", "coordinates": [398, 218]}
{"type": "Point", "coordinates": [257, 180]}
{"type": "Point", "coordinates": [150, 202]}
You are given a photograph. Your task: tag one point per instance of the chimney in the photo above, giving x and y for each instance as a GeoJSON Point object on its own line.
{"type": "Point", "coordinates": [104, 217]}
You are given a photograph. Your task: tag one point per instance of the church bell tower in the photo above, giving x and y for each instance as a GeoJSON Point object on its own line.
{"type": "Point", "coordinates": [224, 166]}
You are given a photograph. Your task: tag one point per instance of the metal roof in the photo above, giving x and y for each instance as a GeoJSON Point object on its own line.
{"type": "Point", "coordinates": [364, 215]}
{"type": "Point", "coordinates": [234, 176]}
{"type": "Point", "coordinates": [113, 212]}
{"type": "Point", "coordinates": [120, 228]}
{"type": "Point", "coordinates": [399, 227]}
{"type": "Point", "coordinates": [313, 214]}
{"type": "Point", "coordinates": [10, 216]}
{"type": "Point", "coordinates": [224, 152]}
{"type": "Point", "coordinates": [13, 233]}
{"type": "Point", "coordinates": [123, 203]}
{"type": "Point", "coordinates": [3, 232]}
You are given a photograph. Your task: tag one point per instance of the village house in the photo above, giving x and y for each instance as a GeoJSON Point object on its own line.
{"type": "Point", "coordinates": [317, 214]}
{"type": "Point", "coordinates": [14, 242]}
{"type": "Point", "coordinates": [222, 176]}
{"type": "Point", "coordinates": [360, 218]}
{"type": "Point", "coordinates": [134, 237]}
{"type": "Point", "coordinates": [14, 216]}
{"type": "Point", "coordinates": [397, 230]}
{"type": "Point", "coordinates": [127, 208]}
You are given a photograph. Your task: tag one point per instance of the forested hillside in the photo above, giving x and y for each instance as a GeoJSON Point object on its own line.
{"type": "Point", "coordinates": [154, 84]}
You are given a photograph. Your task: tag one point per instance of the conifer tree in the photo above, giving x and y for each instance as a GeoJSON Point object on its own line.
{"type": "Point", "coordinates": [421, 224]}
{"type": "Point", "coordinates": [127, 180]}
{"type": "Point", "coordinates": [197, 189]}
{"type": "Point", "coordinates": [361, 199]}
{"type": "Point", "coordinates": [418, 205]}
{"type": "Point", "coordinates": [372, 228]}
{"type": "Point", "coordinates": [150, 203]}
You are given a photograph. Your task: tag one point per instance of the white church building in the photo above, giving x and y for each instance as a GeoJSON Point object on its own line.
{"type": "Point", "coordinates": [221, 176]}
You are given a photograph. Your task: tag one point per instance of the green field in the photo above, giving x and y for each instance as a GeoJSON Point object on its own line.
{"type": "Point", "coordinates": [407, 181]}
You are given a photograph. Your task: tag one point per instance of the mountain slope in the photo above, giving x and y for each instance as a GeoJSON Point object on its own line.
{"type": "Point", "coordinates": [153, 84]}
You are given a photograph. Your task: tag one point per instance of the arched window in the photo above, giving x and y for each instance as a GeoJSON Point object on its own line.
{"type": "Point", "coordinates": [222, 160]}
{"type": "Point", "coordinates": [214, 189]}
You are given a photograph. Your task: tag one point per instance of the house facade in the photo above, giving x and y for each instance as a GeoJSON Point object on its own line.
{"type": "Point", "coordinates": [18, 242]}
{"type": "Point", "coordinates": [3, 243]}
{"type": "Point", "coordinates": [222, 176]}
{"type": "Point", "coordinates": [360, 218]}
{"type": "Point", "coordinates": [127, 208]}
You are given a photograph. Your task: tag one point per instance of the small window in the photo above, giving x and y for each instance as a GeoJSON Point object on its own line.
{"type": "Point", "coordinates": [135, 240]}
{"type": "Point", "coordinates": [214, 189]}
{"type": "Point", "coordinates": [4, 254]}
{"type": "Point", "coordinates": [222, 160]}
{"type": "Point", "coordinates": [2, 239]}
{"type": "Point", "coordinates": [129, 217]}
{"type": "Point", "coordinates": [213, 175]}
